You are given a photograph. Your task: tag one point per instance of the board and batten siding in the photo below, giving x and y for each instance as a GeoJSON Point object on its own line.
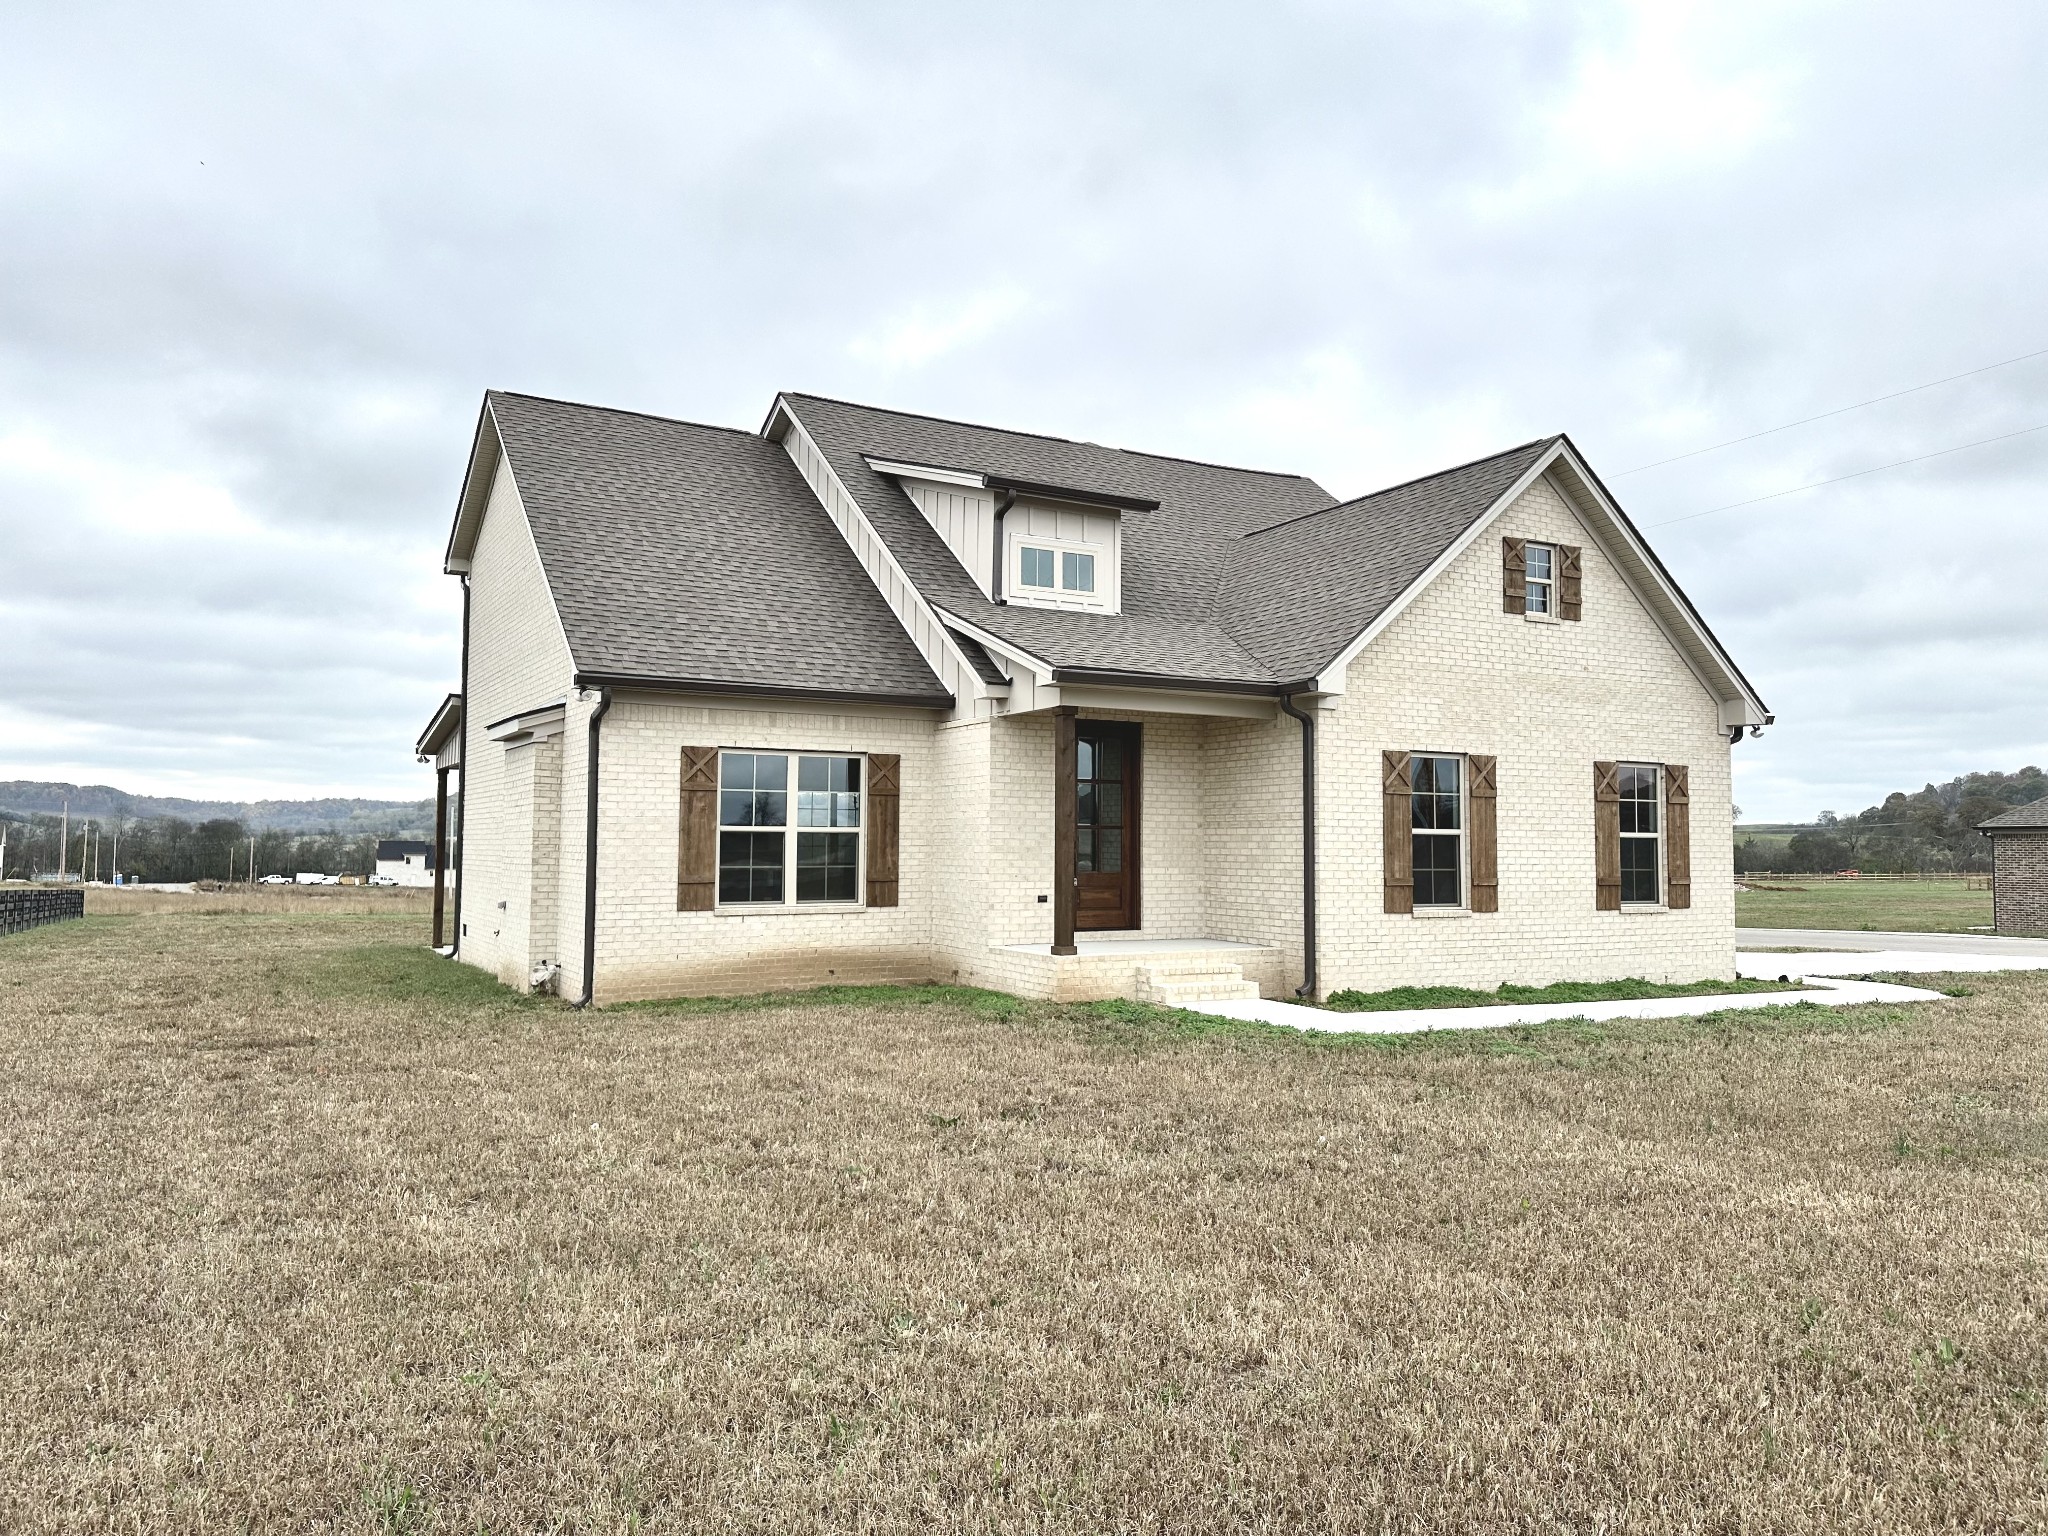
{"type": "Point", "coordinates": [897, 589]}
{"type": "Point", "coordinates": [965, 519]}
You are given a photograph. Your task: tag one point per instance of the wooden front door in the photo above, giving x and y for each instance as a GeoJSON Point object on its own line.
{"type": "Point", "coordinates": [1106, 831]}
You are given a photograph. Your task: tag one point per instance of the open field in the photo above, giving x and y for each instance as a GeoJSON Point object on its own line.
{"type": "Point", "coordinates": [1879, 906]}
{"type": "Point", "coordinates": [304, 1229]}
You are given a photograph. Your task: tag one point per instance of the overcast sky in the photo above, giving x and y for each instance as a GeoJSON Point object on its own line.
{"type": "Point", "coordinates": [257, 264]}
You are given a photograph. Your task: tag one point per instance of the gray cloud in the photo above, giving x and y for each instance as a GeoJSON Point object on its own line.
{"type": "Point", "coordinates": [255, 271]}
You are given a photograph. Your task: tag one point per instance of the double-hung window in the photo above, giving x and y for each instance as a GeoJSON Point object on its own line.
{"type": "Point", "coordinates": [1438, 816]}
{"type": "Point", "coordinates": [763, 860]}
{"type": "Point", "coordinates": [1539, 578]}
{"type": "Point", "coordinates": [1640, 859]}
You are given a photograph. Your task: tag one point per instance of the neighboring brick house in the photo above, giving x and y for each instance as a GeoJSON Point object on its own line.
{"type": "Point", "coordinates": [868, 696]}
{"type": "Point", "coordinates": [2019, 868]}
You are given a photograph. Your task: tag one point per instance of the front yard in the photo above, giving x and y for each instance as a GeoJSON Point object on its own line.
{"type": "Point", "coordinates": [302, 1228]}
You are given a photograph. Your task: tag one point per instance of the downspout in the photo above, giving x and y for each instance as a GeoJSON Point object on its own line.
{"type": "Point", "coordinates": [604, 704]}
{"type": "Point", "coordinates": [1308, 846]}
{"type": "Point", "coordinates": [462, 804]}
{"type": "Point", "coordinates": [1004, 501]}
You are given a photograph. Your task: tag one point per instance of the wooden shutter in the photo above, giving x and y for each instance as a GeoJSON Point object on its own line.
{"type": "Point", "coordinates": [1397, 802]}
{"type": "Point", "coordinates": [1606, 838]}
{"type": "Point", "coordinates": [697, 842]}
{"type": "Point", "coordinates": [1570, 570]}
{"type": "Point", "coordinates": [1514, 575]}
{"type": "Point", "coordinates": [885, 778]}
{"type": "Point", "coordinates": [1677, 837]}
{"type": "Point", "coordinates": [1481, 836]}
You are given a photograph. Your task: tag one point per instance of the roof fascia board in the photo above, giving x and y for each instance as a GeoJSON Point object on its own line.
{"type": "Point", "coordinates": [931, 472]}
{"type": "Point", "coordinates": [486, 450]}
{"type": "Point", "coordinates": [1169, 701]}
{"type": "Point", "coordinates": [517, 721]}
{"type": "Point", "coordinates": [1331, 679]}
{"type": "Point", "coordinates": [447, 719]}
{"type": "Point", "coordinates": [642, 683]}
{"type": "Point", "coordinates": [1644, 568]}
{"type": "Point", "coordinates": [783, 424]}
{"type": "Point", "coordinates": [1011, 652]}
{"type": "Point", "coordinates": [1111, 677]}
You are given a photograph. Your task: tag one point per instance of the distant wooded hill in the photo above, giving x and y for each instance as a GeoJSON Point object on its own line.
{"type": "Point", "coordinates": [1933, 831]}
{"type": "Point", "coordinates": [346, 817]}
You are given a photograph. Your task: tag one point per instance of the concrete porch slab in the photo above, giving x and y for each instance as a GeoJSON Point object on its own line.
{"type": "Point", "coordinates": [1106, 968]}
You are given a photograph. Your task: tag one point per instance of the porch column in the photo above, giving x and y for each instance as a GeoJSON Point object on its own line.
{"type": "Point", "coordinates": [440, 848]}
{"type": "Point", "coordinates": [1066, 779]}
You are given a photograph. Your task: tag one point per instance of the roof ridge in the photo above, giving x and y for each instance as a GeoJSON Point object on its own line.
{"type": "Point", "coordinates": [1046, 437]}
{"type": "Point", "coordinates": [1385, 490]}
{"type": "Point", "coordinates": [621, 410]}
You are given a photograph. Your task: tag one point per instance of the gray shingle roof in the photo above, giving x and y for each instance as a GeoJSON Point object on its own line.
{"type": "Point", "coordinates": [1239, 577]}
{"type": "Point", "coordinates": [2031, 817]}
{"type": "Point", "coordinates": [1302, 590]}
{"type": "Point", "coordinates": [1169, 625]}
{"type": "Point", "coordinates": [697, 553]}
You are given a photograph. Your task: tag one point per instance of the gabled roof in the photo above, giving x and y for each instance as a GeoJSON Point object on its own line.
{"type": "Point", "coordinates": [1237, 578]}
{"type": "Point", "coordinates": [2031, 817]}
{"type": "Point", "coordinates": [1169, 625]}
{"type": "Point", "coordinates": [1302, 590]}
{"type": "Point", "coordinates": [689, 555]}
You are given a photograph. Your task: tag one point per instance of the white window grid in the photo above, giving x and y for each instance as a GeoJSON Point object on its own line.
{"type": "Point", "coordinates": [1641, 790]}
{"type": "Point", "coordinates": [1459, 809]}
{"type": "Point", "coordinates": [1539, 581]}
{"type": "Point", "coordinates": [792, 828]}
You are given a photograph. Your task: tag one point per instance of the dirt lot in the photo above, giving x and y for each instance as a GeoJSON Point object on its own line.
{"type": "Point", "coordinates": [1881, 906]}
{"type": "Point", "coordinates": [303, 1229]}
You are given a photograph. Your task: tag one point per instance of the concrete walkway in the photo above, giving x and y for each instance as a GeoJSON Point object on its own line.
{"type": "Point", "coordinates": [1829, 974]}
{"type": "Point", "coordinates": [1828, 938]}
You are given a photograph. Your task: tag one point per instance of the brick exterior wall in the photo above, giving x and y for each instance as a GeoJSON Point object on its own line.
{"type": "Point", "coordinates": [1220, 833]}
{"type": "Point", "coordinates": [518, 659]}
{"type": "Point", "coordinates": [2019, 882]}
{"type": "Point", "coordinates": [1455, 674]}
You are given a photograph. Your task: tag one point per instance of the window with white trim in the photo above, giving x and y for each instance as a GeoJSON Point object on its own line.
{"type": "Point", "coordinates": [1539, 579]}
{"type": "Point", "coordinates": [1437, 798]}
{"type": "Point", "coordinates": [1036, 563]}
{"type": "Point", "coordinates": [1641, 855]}
{"type": "Point", "coordinates": [765, 862]}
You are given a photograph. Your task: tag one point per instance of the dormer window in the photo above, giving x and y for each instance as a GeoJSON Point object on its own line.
{"type": "Point", "coordinates": [1024, 541]}
{"type": "Point", "coordinates": [1061, 557]}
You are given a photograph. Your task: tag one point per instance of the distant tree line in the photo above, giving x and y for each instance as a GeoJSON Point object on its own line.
{"type": "Point", "coordinates": [1932, 832]}
{"type": "Point", "coordinates": [168, 848]}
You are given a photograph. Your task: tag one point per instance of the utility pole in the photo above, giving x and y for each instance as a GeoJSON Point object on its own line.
{"type": "Point", "coordinates": [64, 842]}
{"type": "Point", "coordinates": [117, 850]}
{"type": "Point", "coordinates": [3, 850]}
{"type": "Point", "coordinates": [252, 859]}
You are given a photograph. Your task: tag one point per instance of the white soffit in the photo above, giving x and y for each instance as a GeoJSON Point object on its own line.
{"type": "Point", "coordinates": [929, 472]}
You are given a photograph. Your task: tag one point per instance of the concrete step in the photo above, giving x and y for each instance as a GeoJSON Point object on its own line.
{"type": "Point", "coordinates": [1173, 983]}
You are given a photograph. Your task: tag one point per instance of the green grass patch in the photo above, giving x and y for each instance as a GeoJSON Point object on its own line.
{"type": "Point", "coordinates": [1395, 998]}
{"type": "Point", "coordinates": [1865, 906]}
{"type": "Point", "coordinates": [979, 1000]}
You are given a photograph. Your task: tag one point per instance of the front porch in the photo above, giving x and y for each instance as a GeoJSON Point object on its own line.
{"type": "Point", "coordinates": [1166, 971]}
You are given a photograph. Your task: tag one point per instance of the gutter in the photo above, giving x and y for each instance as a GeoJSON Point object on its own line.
{"type": "Point", "coordinates": [1308, 846]}
{"type": "Point", "coordinates": [604, 705]}
{"type": "Point", "coordinates": [1111, 677]}
{"type": "Point", "coordinates": [609, 680]}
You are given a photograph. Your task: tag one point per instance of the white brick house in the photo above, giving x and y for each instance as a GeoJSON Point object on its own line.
{"type": "Point", "coordinates": [867, 696]}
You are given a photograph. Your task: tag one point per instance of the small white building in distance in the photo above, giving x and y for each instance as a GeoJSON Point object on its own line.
{"type": "Point", "coordinates": [407, 863]}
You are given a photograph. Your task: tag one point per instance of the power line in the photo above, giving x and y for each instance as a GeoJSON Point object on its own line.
{"type": "Point", "coordinates": [1839, 411]}
{"type": "Point", "coordinates": [1856, 475]}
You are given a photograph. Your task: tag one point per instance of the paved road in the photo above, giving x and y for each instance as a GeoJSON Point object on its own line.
{"type": "Point", "coordinates": [1938, 943]}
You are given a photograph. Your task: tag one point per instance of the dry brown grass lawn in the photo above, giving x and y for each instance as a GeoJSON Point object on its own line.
{"type": "Point", "coordinates": [302, 1229]}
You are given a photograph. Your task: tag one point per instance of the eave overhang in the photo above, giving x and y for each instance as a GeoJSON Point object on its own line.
{"type": "Point", "coordinates": [945, 474]}
{"type": "Point", "coordinates": [645, 683]}
{"type": "Point", "coordinates": [441, 728]}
